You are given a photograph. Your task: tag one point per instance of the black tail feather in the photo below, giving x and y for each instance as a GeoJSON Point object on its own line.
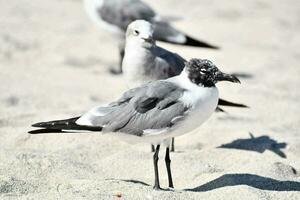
{"type": "Point", "coordinates": [218, 109]}
{"type": "Point", "coordinates": [60, 125]}
{"type": "Point", "coordinates": [197, 43]}
{"type": "Point", "coordinates": [191, 42]}
{"type": "Point", "coordinates": [223, 102]}
{"type": "Point", "coordinates": [45, 130]}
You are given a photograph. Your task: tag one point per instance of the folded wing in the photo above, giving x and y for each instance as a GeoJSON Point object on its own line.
{"type": "Point", "coordinates": [152, 106]}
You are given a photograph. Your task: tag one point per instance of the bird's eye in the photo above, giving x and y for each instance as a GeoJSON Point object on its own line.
{"type": "Point", "coordinates": [136, 32]}
{"type": "Point", "coordinates": [203, 71]}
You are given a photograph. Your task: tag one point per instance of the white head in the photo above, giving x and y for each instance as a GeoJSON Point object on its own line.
{"type": "Point", "coordinates": [140, 32]}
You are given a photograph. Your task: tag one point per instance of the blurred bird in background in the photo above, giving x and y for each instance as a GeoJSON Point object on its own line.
{"type": "Point", "coordinates": [116, 15]}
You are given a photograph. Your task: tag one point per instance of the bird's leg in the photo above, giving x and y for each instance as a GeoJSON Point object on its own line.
{"type": "Point", "coordinates": [168, 165]}
{"type": "Point", "coordinates": [173, 145]}
{"type": "Point", "coordinates": [152, 148]}
{"type": "Point", "coordinates": [121, 54]}
{"type": "Point", "coordinates": [155, 161]}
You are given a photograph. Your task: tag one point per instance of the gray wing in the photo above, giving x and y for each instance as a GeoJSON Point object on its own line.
{"type": "Point", "coordinates": [152, 106]}
{"type": "Point", "coordinates": [163, 31]}
{"type": "Point", "coordinates": [123, 12]}
{"type": "Point", "coordinates": [167, 64]}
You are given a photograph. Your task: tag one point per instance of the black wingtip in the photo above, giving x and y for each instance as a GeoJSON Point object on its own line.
{"type": "Point", "coordinates": [58, 126]}
{"type": "Point", "coordinates": [197, 43]}
{"type": "Point", "coordinates": [223, 102]}
{"type": "Point", "coordinates": [38, 125]}
{"type": "Point", "coordinates": [218, 109]}
{"type": "Point", "coordinates": [44, 130]}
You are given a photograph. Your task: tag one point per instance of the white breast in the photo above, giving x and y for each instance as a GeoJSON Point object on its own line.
{"type": "Point", "coordinates": [201, 100]}
{"type": "Point", "coordinates": [203, 103]}
{"type": "Point", "coordinates": [133, 66]}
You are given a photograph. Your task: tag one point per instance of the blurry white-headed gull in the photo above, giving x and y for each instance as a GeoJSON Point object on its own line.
{"type": "Point", "coordinates": [156, 111]}
{"type": "Point", "coordinates": [116, 15]}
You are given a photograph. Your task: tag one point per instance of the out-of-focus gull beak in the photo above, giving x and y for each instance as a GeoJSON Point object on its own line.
{"type": "Point", "coordinates": [148, 38]}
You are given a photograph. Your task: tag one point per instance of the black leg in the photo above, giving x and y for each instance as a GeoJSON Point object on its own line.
{"type": "Point", "coordinates": [119, 70]}
{"type": "Point", "coordinates": [152, 148]}
{"type": "Point", "coordinates": [155, 161]}
{"type": "Point", "coordinates": [168, 165]}
{"type": "Point", "coordinates": [122, 53]}
{"type": "Point", "coordinates": [173, 145]}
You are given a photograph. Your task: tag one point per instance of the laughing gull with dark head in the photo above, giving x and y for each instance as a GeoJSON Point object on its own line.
{"type": "Point", "coordinates": [155, 112]}
{"type": "Point", "coordinates": [144, 61]}
{"type": "Point", "coordinates": [116, 15]}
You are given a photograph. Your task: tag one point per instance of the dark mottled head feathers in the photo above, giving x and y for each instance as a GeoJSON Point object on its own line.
{"type": "Point", "coordinates": [204, 72]}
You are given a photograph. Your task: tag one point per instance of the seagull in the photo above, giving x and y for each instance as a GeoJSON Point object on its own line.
{"type": "Point", "coordinates": [144, 61]}
{"type": "Point", "coordinates": [154, 112]}
{"type": "Point", "coordinates": [115, 15]}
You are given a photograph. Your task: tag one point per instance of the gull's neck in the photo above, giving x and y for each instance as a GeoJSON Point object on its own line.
{"type": "Point", "coordinates": [196, 96]}
{"type": "Point", "coordinates": [183, 80]}
{"type": "Point", "coordinates": [136, 63]}
{"type": "Point", "coordinates": [137, 56]}
{"type": "Point", "coordinates": [137, 46]}
{"type": "Point", "coordinates": [191, 81]}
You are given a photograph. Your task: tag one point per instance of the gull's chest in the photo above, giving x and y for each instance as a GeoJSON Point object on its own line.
{"type": "Point", "coordinates": [201, 98]}
{"type": "Point", "coordinates": [135, 65]}
{"type": "Point", "coordinates": [201, 103]}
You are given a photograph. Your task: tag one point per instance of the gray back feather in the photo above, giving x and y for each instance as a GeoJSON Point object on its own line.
{"type": "Point", "coordinates": [122, 12]}
{"type": "Point", "coordinates": [167, 64]}
{"type": "Point", "coordinates": [151, 106]}
{"type": "Point", "coordinates": [163, 31]}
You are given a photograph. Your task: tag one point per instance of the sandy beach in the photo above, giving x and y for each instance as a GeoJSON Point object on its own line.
{"type": "Point", "coordinates": [54, 64]}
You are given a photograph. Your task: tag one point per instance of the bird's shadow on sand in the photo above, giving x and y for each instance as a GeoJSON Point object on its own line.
{"type": "Point", "coordinates": [138, 182]}
{"type": "Point", "coordinates": [135, 181]}
{"type": "Point", "coordinates": [129, 181]}
{"type": "Point", "coordinates": [257, 144]}
{"type": "Point", "coordinates": [252, 180]}
{"type": "Point", "coordinates": [259, 182]}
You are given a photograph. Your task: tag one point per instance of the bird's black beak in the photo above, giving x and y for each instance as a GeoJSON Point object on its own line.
{"type": "Point", "coordinates": [148, 39]}
{"type": "Point", "coordinates": [227, 77]}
